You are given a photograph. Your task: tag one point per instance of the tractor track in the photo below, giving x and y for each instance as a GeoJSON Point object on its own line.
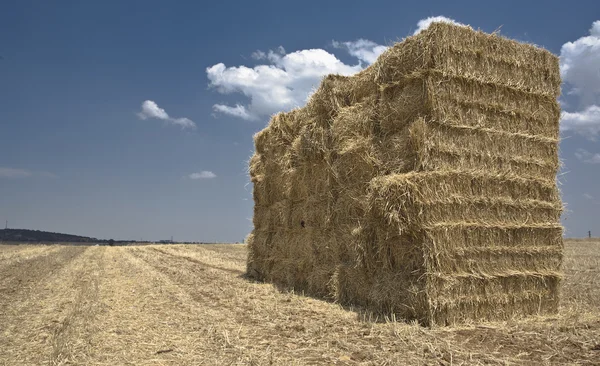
{"type": "Point", "coordinates": [21, 276]}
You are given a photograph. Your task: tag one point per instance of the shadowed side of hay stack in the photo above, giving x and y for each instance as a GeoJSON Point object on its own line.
{"type": "Point", "coordinates": [292, 243]}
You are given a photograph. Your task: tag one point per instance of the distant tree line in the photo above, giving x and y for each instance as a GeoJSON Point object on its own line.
{"type": "Point", "coordinates": [24, 235]}
{"type": "Point", "coordinates": [38, 236]}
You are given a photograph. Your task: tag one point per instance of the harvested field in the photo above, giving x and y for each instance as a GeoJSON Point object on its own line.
{"type": "Point", "coordinates": [191, 305]}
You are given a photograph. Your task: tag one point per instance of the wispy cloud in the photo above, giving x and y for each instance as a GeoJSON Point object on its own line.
{"type": "Point", "coordinates": [363, 49]}
{"type": "Point", "coordinates": [151, 110]}
{"type": "Point", "coordinates": [14, 173]}
{"type": "Point", "coordinates": [258, 55]}
{"type": "Point", "coordinates": [425, 23]}
{"type": "Point", "coordinates": [587, 157]}
{"type": "Point", "coordinates": [23, 173]}
{"type": "Point", "coordinates": [237, 111]}
{"type": "Point", "coordinates": [591, 199]}
{"type": "Point", "coordinates": [205, 174]}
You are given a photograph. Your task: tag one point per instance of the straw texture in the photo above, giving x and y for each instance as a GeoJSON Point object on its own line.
{"type": "Point", "coordinates": [424, 186]}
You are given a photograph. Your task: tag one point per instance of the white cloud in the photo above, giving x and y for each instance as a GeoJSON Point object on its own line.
{"type": "Point", "coordinates": [588, 196]}
{"type": "Point", "coordinates": [425, 23]}
{"type": "Point", "coordinates": [258, 55]}
{"type": "Point", "coordinates": [237, 111]}
{"type": "Point", "coordinates": [580, 71]}
{"type": "Point", "coordinates": [184, 122]}
{"type": "Point", "coordinates": [587, 157]}
{"type": "Point", "coordinates": [585, 122]}
{"type": "Point", "coordinates": [261, 55]}
{"type": "Point", "coordinates": [22, 173]}
{"type": "Point", "coordinates": [151, 110]}
{"type": "Point", "coordinates": [205, 174]}
{"type": "Point", "coordinates": [283, 83]}
{"type": "Point", "coordinates": [14, 173]}
{"type": "Point", "coordinates": [363, 49]}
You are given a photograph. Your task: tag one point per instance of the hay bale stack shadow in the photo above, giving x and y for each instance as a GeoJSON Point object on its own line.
{"type": "Point", "coordinates": [423, 187]}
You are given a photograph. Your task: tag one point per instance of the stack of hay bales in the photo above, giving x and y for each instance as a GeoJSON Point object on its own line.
{"type": "Point", "coordinates": [424, 186]}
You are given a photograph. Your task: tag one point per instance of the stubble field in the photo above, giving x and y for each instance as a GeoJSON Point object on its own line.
{"type": "Point", "coordinates": [191, 305]}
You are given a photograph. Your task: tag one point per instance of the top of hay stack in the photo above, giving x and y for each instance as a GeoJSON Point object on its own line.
{"type": "Point", "coordinates": [460, 51]}
{"type": "Point", "coordinates": [445, 49]}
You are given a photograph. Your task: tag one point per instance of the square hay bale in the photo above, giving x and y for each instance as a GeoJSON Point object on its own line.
{"type": "Point", "coordinates": [424, 186]}
{"type": "Point", "coordinates": [465, 279]}
{"type": "Point", "coordinates": [475, 55]}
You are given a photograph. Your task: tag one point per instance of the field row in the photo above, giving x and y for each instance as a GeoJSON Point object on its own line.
{"type": "Point", "coordinates": [176, 305]}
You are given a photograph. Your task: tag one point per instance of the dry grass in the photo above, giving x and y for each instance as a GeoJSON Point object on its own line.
{"type": "Point", "coordinates": [191, 305]}
{"type": "Point", "coordinates": [14, 253]}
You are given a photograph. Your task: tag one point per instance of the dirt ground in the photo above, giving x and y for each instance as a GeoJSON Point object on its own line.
{"type": "Point", "coordinates": [191, 305]}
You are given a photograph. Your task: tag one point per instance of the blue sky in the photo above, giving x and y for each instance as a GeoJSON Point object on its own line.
{"type": "Point", "coordinates": [134, 120]}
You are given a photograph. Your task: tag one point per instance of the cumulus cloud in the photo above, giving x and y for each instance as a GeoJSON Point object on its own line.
{"type": "Point", "coordinates": [151, 110]}
{"type": "Point", "coordinates": [585, 122]}
{"type": "Point", "coordinates": [205, 174]}
{"type": "Point", "coordinates": [587, 157]}
{"type": "Point", "coordinates": [284, 80]}
{"type": "Point", "coordinates": [580, 72]}
{"type": "Point", "coordinates": [23, 173]}
{"type": "Point", "coordinates": [425, 23]}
